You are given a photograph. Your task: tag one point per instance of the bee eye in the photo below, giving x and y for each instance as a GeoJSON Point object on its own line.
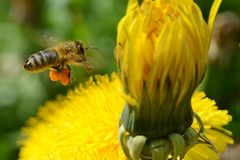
{"type": "Point", "coordinates": [81, 49]}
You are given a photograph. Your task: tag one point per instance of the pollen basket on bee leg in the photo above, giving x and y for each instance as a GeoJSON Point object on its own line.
{"type": "Point", "coordinates": [65, 76]}
{"type": "Point", "coordinates": [54, 75]}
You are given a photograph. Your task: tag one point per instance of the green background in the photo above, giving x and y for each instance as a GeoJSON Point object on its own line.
{"type": "Point", "coordinates": [24, 26]}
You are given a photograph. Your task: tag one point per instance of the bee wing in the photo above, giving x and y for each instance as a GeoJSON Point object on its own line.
{"type": "Point", "coordinates": [48, 40]}
{"type": "Point", "coordinates": [43, 38]}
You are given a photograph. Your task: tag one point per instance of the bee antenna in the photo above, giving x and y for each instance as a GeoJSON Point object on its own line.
{"type": "Point", "coordinates": [92, 47]}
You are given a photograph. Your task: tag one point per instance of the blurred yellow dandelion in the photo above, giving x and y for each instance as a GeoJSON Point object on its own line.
{"type": "Point", "coordinates": [84, 125]}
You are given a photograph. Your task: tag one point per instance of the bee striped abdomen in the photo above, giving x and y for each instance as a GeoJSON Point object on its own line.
{"type": "Point", "coordinates": [41, 60]}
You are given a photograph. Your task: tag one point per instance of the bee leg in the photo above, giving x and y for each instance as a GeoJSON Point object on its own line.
{"type": "Point", "coordinates": [68, 67]}
{"type": "Point", "coordinates": [87, 66]}
{"type": "Point", "coordinates": [85, 63]}
{"type": "Point", "coordinates": [69, 73]}
{"type": "Point", "coordinates": [57, 68]}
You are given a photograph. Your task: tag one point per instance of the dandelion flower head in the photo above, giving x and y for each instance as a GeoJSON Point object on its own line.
{"type": "Point", "coordinates": [84, 125]}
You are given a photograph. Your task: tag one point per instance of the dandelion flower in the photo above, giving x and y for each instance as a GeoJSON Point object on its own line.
{"type": "Point", "coordinates": [84, 125]}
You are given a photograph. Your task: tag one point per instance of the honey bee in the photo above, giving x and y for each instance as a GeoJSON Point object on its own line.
{"type": "Point", "coordinates": [57, 59]}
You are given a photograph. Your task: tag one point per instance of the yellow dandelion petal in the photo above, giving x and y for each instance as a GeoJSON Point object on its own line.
{"type": "Point", "coordinates": [201, 152]}
{"type": "Point", "coordinates": [208, 111]}
{"type": "Point", "coordinates": [131, 5]}
{"type": "Point", "coordinates": [84, 125]}
{"type": "Point", "coordinates": [213, 13]}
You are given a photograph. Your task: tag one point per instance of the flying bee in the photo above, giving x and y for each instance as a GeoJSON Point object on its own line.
{"type": "Point", "coordinates": [58, 58]}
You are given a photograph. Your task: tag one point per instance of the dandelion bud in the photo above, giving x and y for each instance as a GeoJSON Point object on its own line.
{"type": "Point", "coordinates": [162, 51]}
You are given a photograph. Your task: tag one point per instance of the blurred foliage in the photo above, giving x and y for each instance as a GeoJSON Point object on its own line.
{"type": "Point", "coordinates": [223, 74]}
{"type": "Point", "coordinates": [23, 23]}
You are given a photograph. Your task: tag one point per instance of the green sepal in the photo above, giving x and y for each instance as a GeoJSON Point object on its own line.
{"type": "Point", "coordinates": [178, 145]}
